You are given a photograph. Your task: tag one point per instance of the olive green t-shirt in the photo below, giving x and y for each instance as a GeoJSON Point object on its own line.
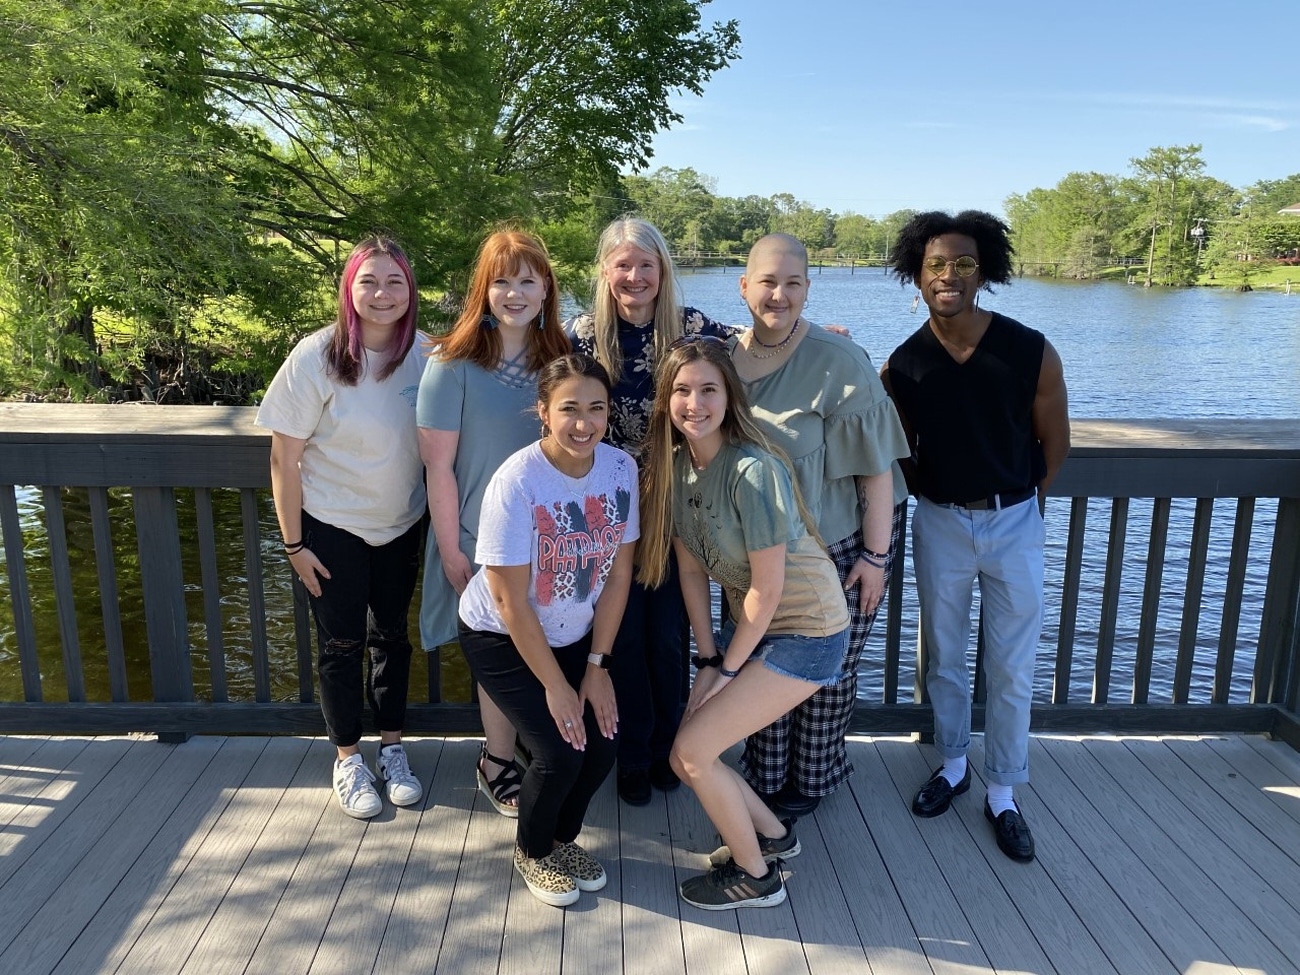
{"type": "Point", "coordinates": [744, 502]}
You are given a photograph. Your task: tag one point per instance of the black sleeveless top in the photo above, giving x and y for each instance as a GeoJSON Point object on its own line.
{"type": "Point", "coordinates": [973, 421]}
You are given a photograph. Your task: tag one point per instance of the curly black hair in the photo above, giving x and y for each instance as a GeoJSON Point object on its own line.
{"type": "Point", "coordinates": [990, 234]}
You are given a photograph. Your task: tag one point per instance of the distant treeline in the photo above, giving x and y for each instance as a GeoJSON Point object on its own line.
{"type": "Point", "coordinates": [1166, 215]}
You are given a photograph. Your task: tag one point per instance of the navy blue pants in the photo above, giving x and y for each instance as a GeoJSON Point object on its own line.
{"type": "Point", "coordinates": [649, 670]}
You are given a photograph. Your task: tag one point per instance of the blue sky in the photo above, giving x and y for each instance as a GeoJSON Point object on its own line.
{"type": "Point", "coordinates": [875, 106]}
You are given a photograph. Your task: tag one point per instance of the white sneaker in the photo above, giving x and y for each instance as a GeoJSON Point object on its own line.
{"type": "Point", "coordinates": [395, 771]}
{"type": "Point", "coordinates": [354, 786]}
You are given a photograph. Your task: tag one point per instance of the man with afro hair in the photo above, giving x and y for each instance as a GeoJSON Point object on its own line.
{"type": "Point", "coordinates": [983, 401]}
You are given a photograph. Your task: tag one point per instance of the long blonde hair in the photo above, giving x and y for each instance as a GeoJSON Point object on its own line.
{"type": "Point", "coordinates": [664, 440]}
{"type": "Point", "coordinates": [668, 308]}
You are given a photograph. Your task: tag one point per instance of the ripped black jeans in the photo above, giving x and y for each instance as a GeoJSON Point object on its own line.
{"type": "Point", "coordinates": [363, 605]}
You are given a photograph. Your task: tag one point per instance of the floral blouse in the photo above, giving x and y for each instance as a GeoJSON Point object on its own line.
{"type": "Point", "coordinates": [634, 394]}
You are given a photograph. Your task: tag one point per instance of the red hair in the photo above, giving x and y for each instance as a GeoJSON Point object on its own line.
{"type": "Point", "coordinates": [502, 254]}
{"type": "Point", "coordinates": [344, 356]}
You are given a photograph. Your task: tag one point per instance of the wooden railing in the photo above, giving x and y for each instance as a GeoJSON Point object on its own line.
{"type": "Point", "coordinates": [156, 452]}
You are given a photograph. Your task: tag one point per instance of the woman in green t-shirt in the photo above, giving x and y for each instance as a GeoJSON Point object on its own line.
{"type": "Point", "coordinates": [725, 500]}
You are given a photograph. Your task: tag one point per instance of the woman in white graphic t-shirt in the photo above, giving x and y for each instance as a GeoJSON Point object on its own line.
{"type": "Point", "coordinates": [537, 621]}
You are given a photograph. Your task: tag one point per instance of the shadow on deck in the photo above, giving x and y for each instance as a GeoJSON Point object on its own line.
{"type": "Point", "coordinates": [1156, 855]}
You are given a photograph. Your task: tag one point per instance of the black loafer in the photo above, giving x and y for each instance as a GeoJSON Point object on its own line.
{"type": "Point", "coordinates": [1014, 838]}
{"type": "Point", "coordinates": [936, 795]}
{"type": "Point", "coordinates": [662, 776]}
{"type": "Point", "coordinates": [791, 802]}
{"type": "Point", "coordinates": [634, 786]}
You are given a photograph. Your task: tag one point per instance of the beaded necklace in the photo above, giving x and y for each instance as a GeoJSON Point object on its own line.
{"type": "Point", "coordinates": [775, 349]}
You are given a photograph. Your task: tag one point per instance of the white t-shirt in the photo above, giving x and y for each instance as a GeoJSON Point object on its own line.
{"type": "Point", "coordinates": [361, 467]}
{"type": "Point", "coordinates": [567, 530]}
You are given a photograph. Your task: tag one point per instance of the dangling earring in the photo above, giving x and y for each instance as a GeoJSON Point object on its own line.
{"type": "Point", "coordinates": [977, 299]}
{"type": "Point", "coordinates": [541, 320]}
{"type": "Point", "coordinates": [488, 321]}
{"type": "Point", "coordinates": [916, 301]}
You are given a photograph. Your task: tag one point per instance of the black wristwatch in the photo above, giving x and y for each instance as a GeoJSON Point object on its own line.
{"type": "Point", "coordinates": [702, 662]}
{"type": "Point", "coordinates": [601, 660]}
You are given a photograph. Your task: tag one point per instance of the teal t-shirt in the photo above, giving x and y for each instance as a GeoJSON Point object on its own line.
{"type": "Point", "coordinates": [744, 502]}
{"type": "Point", "coordinates": [496, 415]}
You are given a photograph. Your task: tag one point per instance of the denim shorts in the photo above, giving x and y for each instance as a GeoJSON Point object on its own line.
{"type": "Point", "coordinates": [816, 659]}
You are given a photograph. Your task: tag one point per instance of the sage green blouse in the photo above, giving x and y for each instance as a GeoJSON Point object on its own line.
{"type": "Point", "coordinates": [826, 408]}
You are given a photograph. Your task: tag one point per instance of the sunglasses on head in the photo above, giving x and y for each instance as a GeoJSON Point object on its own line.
{"type": "Point", "coordinates": [964, 266]}
{"type": "Point", "coordinates": [697, 337]}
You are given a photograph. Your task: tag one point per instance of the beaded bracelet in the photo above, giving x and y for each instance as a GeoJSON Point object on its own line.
{"type": "Point", "coordinates": [872, 558]}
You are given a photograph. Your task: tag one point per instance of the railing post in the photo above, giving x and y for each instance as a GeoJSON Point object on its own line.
{"type": "Point", "coordinates": [161, 578]}
{"type": "Point", "coordinates": [1275, 664]}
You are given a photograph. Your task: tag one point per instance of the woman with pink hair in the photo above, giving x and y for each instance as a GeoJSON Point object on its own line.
{"type": "Point", "coordinates": [346, 477]}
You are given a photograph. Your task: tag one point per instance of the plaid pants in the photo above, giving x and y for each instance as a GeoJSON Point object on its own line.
{"type": "Point", "coordinates": [806, 746]}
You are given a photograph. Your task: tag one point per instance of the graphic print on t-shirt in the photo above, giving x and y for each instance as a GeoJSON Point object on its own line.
{"type": "Point", "coordinates": [576, 544]}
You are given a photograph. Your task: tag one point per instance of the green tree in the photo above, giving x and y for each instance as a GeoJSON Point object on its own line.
{"type": "Point", "coordinates": [855, 234]}
{"type": "Point", "coordinates": [1162, 190]}
{"type": "Point", "coordinates": [1271, 195]}
{"type": "Point", "coordinates": [109, 200]}
{"type": "Point", "coordinates": [585, 85]}
{"type": "Point", "coordinates": [680, 202]}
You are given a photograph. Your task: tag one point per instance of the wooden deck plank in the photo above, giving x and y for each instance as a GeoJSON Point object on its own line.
{"type": "Point", "coordinates": [823, 908]}
{"type": "Point", "coordinates": [1245, 796]}
{"type": "Point", "coordinates": [652, 915]}
{"type": "Point", "coordinates": [593, 929]}
{"type": "Point", "coordinates": [1282, 755]}
{"type": "Point", "coordinates": [1281, 789]}
{"type": "Point", "coordinates": [231, 937]}
{"type": "Point", "coordinates": [1213, 909]}
{"type": "Point", "coordinates": [53, 928]}
{"type": "Point", "coordinates": [100, 797]}
{"type": "Point", "coordinates": [943, 930]}
{"type": "Point", "coordinates": [228, 858]}
{"type": "Point", "coordinates": [710, 940]}
{"type": "Point", "coordinates": [170, 936]}
{"type": "Point", "coordinates": [1266, 914]}
{"type": "Point", "coordinates": [14, 752]}
{"type": "Point", "coordinates": [964, 857]}
{"type": "Point", "coordinates": [876, 912]}
{"type": "Point", "coordinates": [355, 930]}
{"type": "Point", "coordinates": [297, 924]}
{"type": "Point", "coordinates": [477, 917]}
{"type": "Point", "coordinates": [1221, 818]}
{"type": "Point", "coordinates": [418, 923]}
{"type": "Point", "coordinates": [534, 932]}
{"type": "Point", "coordinates": [105, 941]}
{"type": "Point", "coordinates": [1128, 947]}
{"type": "Point", "coordinates": [1060, 932]}
{"type": "Point", "coordinates": [1181, 939]}
{"type": "Point", "coordinates": [27, 780]}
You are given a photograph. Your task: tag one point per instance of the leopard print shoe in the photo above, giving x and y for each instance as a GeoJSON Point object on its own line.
{"type": "Point", "coordinates": [584, 868]}
{"type": "Point", "coordinates": [549, 882]}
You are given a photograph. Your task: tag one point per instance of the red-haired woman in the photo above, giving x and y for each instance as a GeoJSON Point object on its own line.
{"type": "Point", "coordinates": [345, 473]}
{"type": "Point", "coordinates": [477, 406]}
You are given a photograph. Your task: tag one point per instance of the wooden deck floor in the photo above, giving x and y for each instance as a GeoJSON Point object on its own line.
{"type": "Point", "coordinates": [228, 855]}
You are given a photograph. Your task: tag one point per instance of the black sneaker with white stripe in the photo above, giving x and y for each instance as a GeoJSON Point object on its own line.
{"type": "Point", "coordinates": [783, 849]}
{"type": "Point", "coordinates": [730, 886]}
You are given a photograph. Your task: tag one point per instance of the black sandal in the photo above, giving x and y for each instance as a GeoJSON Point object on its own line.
{"type": "Point", "coordinates": [502, 787]}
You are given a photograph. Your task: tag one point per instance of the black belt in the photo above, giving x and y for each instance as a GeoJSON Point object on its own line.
{"type": "Point", "coordinates": [995, 502]}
